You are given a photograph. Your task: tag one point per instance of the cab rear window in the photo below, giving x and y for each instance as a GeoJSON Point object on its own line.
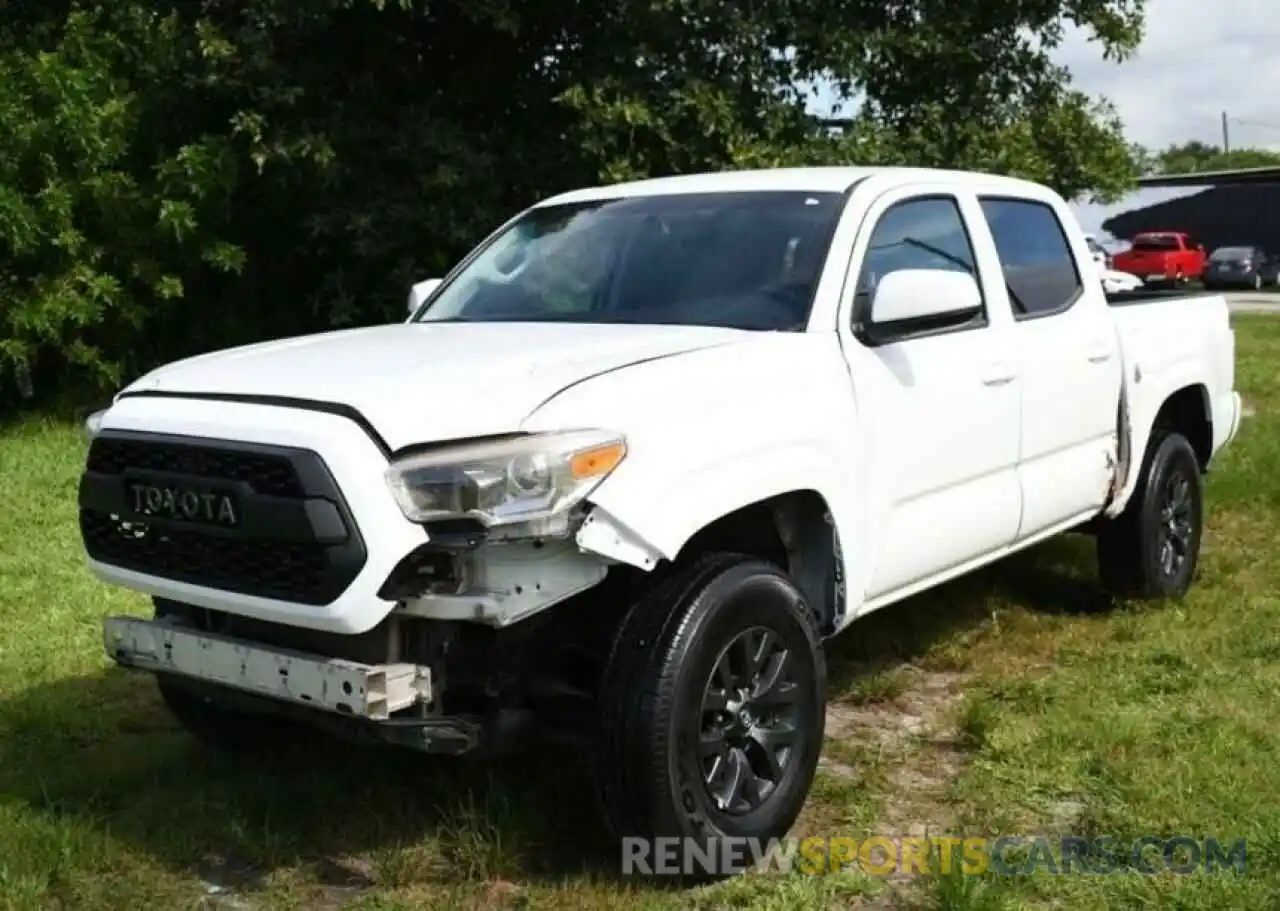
{"type": "Point", "coordinates": [1155, 242]}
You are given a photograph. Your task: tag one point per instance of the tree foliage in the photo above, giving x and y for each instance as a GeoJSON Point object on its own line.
{"type": "Point", "coordinates": [177, 175]}
{"type": "Point", "coordinates": [1198, 157]}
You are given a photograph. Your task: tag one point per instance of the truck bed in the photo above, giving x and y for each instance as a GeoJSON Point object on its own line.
{"type": "Point", "coordinates": [1153, 296]}
{"type": "Point", "coordinates": [1183, 339]}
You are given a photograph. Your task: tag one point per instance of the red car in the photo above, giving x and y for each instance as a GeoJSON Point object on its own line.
{"type": "Point", "coordinates": [1163, 256]}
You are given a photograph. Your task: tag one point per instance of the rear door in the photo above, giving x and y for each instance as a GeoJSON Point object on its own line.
{"type": "Point", "coordinates": [1068, 362]}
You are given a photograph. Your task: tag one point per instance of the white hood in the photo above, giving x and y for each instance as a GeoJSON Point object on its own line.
{"type": "Point", "coordinates": [432, 381]}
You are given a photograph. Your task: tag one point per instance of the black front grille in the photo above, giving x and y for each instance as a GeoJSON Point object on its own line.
{"type": "Point", "coordinates": [294, 538]}
{"type": "Point", "coordinates": [265, 473]}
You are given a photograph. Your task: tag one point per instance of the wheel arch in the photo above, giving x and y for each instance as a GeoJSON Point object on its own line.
{"type": "Point", "coordinates": [794, 530]}
{"type": "Point", "coordinates": [1188, 411]}
{"type": "Point", "coordinates": [1185, 410]}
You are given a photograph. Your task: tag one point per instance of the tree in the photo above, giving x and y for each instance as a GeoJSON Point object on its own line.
{"type": "Point", "coordinates": [181, 175]}
{"type": "Point", "coordinates": [1197, 157]}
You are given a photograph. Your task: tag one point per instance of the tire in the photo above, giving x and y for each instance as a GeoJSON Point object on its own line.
{"type": "Point", "coordinates": [656, 700]}
{"type": "Point", "coordinates": [215, 726]}
{"type": "Point", "coordinates": [1165, 511]}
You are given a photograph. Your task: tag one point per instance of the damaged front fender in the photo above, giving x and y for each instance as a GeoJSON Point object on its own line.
{"type": "Point", "coordinates": [602, 533]}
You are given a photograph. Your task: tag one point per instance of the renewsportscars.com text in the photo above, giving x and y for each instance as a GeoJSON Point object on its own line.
{"type": "Point", "coordinates": [938, 855]}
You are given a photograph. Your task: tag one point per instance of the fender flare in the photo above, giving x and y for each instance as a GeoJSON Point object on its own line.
{"type": "Point", "coordinates": [630, 524]}
{"type": "Point", "coordinates": [1135, 430]}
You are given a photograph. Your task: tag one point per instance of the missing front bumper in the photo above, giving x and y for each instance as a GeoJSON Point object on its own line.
{"type": "Point", "coordinates": [347, 688]}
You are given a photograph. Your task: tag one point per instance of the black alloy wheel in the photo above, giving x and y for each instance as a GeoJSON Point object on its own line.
{"type": "Point", "coordinates": [749, 721]}
{"type": "Point", "coordinates": [712, 710]}
{"type": "Point", "coordinates": [1151, 550]}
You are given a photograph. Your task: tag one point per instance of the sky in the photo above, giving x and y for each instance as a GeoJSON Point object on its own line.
{"type": "Point", "coordinates": [1197, 60]}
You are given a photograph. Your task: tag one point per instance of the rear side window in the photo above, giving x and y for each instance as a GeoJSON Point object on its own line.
{"type": "Point", "coordinates": [1038, 265]}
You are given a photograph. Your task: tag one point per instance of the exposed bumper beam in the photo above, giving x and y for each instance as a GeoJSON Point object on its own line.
{"type": "Point", "coordinates": [372, 692]}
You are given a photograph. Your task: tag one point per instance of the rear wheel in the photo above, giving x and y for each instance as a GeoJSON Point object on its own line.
{"type": "Point", "coordinates": [1151, 550]}
{"type": "Point", "coordinates": [712, 711]}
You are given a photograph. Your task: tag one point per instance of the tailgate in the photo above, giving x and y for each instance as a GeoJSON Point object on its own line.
{"type": "Point", "coordinates": [1146, 260]}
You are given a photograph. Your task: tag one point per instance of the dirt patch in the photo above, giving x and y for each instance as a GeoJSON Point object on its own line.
{"type": "Point", "coordinates": [1066, 813]}
{"type": "Point", "coordinates": [225, 879]}
{"type": "Point", "coordinates": [916, 742]}
{"type": "Point", "coordinates": [231, 884]}
{"type": "Point", "coordinates": [917, 736]}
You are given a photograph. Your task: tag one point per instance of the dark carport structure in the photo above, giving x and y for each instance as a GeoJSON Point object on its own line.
{"type": "Point", "coordinates": [1235, 208]}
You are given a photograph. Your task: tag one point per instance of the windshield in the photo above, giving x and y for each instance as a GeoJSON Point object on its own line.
{"type": "Point", "coordinates": [1229, 254]}
{"type": "Point", "coordinates": [740, 260]}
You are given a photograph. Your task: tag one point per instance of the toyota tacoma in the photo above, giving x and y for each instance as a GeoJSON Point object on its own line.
{"type": "Point", "coordinates": [625, 469]}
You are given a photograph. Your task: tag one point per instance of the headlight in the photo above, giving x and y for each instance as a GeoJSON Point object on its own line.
{"type": "Point", "coordinates": [93, 423]}
{"type": "Point", "coordinates": [529, 479]}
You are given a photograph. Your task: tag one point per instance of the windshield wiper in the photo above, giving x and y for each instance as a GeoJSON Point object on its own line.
{"type": "Point", "coordinates": [943, 254]}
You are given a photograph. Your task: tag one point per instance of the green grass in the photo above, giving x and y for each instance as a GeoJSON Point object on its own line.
{"type": "Point", "coordinates": [1003, 703]}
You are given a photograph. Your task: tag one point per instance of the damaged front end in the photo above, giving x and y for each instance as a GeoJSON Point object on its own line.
{"type": "Point", "coordinates": [469, 657]}
{"type": "Point", "coordinates": [509, 531]}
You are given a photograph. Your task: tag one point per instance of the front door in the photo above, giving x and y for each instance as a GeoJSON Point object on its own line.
{"type": "Point", "coordinates": [942, 406]}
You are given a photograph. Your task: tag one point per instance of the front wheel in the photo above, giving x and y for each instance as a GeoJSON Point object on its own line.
{"type": "Point", "coordinates": [713, 710]}
{"type": "Point", "coordinates": [1150, 551]}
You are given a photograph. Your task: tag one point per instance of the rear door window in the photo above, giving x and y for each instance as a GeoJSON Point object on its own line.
{"type": "Point", "coordinates": [1039, 267]}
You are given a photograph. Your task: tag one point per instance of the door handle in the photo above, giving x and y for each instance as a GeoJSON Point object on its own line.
{"type": "Point", "coordinates": [998, 375]}
{"type": "Point", "coordinates": [1099, 356]}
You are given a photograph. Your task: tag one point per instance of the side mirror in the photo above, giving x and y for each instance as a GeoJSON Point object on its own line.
{"type": "Point", "coordinates": [919, 294]}
{"type": "Point", "coordinates": [420, 292]}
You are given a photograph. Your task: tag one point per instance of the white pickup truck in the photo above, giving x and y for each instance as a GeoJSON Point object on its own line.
{"type": "Point", "coordinates": [624, 469]}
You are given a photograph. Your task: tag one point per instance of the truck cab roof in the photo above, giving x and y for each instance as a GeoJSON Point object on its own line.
{"type": "Point", "coordinates": [831, 179]}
